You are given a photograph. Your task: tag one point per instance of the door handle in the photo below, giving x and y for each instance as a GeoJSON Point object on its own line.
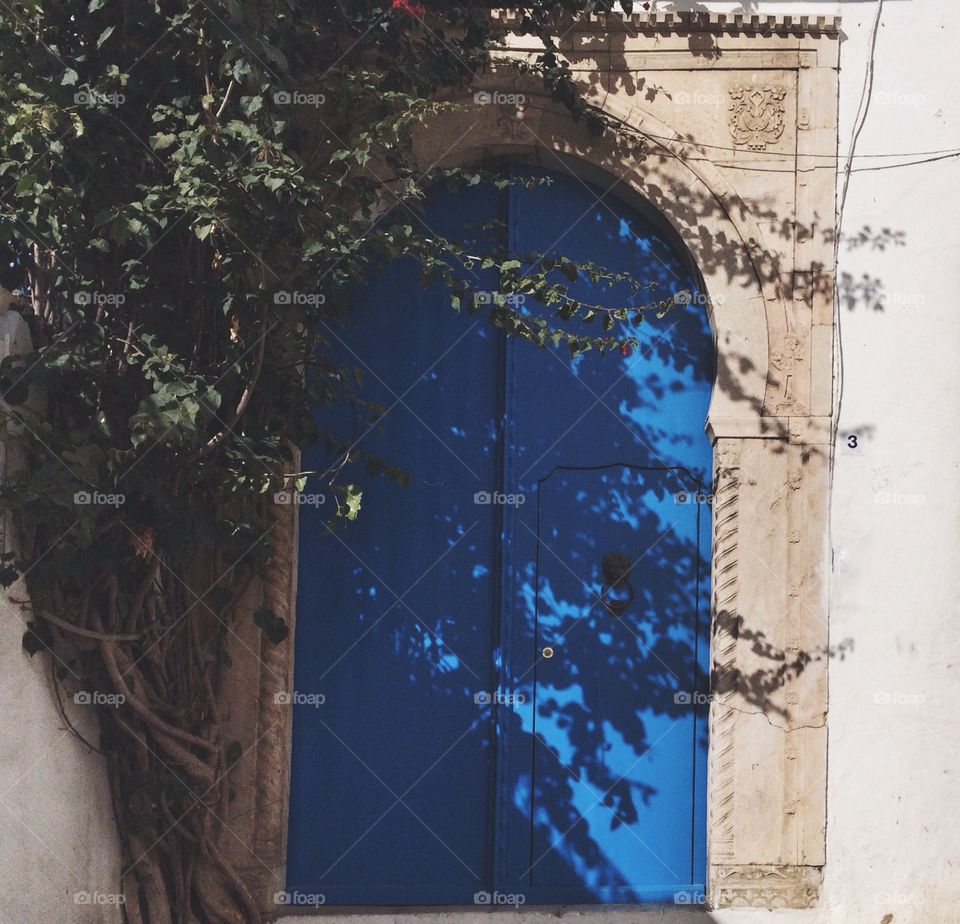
{"type": "Point", "coordinates": [616, 568]}
{"type": "Point", "coordinates": [547, 653]}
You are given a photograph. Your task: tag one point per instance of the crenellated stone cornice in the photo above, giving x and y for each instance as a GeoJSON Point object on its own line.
{"type": "Point", "coordinates": [696, 21]}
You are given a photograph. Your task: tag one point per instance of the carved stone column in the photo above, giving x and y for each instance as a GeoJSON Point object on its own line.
{"type": "Point", "coordinates": [726, 503]}
{"type": "Point", "coordinates": [767, 789]}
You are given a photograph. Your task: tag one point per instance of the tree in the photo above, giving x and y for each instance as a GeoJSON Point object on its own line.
{"type": "Point", "coordinates": [192, 190]}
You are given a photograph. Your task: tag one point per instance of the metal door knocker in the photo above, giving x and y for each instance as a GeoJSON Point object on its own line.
{"type": "Point", "coordinates": [617, 591]}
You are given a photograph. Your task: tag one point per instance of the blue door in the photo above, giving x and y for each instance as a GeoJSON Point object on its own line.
{"type": "Point", "coordinates": [501, 666]}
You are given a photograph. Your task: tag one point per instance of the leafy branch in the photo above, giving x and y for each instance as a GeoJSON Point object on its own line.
{"type": "Point", "coordinates": [189, 201]}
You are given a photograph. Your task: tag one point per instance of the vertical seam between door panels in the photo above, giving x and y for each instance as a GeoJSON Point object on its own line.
{"type": "Point", "coordinates": [515, 219]}
{"type": "Point", "coordinates": [533, 695]}
{"type": "Point", "coordinates": [501, 845]}
{"type": "Point", "coordinates": [495, 771]}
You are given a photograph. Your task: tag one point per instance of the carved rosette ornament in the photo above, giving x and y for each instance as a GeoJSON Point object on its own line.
{"type": "Point", "coordinates": [757, 115]}
{"type": "Point", "coordinates": [510, 121]}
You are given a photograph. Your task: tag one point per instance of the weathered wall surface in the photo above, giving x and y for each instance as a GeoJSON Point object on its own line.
{"type": "Point", "coordinates": [892, 846]}
{"type": "Point", "coordinates": [59, 860]}
{"type": "Point", "coordinates": [893, 815]}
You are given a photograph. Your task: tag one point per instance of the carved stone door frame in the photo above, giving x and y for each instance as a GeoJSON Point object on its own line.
{"type": "Point", "coordinates": [731, 135]}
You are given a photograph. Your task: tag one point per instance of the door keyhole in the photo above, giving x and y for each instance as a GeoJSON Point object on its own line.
{"type": "Point", "coordinates": [617, 591]}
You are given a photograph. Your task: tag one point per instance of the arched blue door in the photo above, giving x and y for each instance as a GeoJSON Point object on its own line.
{"type": "Point", "coordinates": [512, 648]}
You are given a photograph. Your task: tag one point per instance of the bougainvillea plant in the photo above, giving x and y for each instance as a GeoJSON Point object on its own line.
{"type": "Point", "coordinates": [167, 176]}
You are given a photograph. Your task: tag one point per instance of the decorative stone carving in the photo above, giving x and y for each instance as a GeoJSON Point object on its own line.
{"type": "Point", "coordinates": [757, 115]}
{"type": "Point", "coordinates": [723, 771]}
{"type": "Point", "coordinates": [766, 886]}
{"type": "Point", "coordinates": [787, 360]}
{"type": "Point", "coordinates": [683, 22]}
{"type": "Point", "coordinates": [511, 123]}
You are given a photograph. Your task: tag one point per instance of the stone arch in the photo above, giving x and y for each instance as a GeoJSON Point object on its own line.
{"type": "Point", "coordinates": [705, 214]}
{"type": "Point", "coordinates": [770, 419]}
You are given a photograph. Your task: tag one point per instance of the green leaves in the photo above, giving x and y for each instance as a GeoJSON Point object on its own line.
{"type": "Point", "coordinates": [251, 104]}
{"type": "Point", "coordinates": [162, 140]}
{"type": "Point", "coordinates": [348, 501]}
{"type": "Point", "coordinates": [175, 413]}
{"type": "Point", "coordinates": [196, 196]}
{"type": "Point", "coordinates": [172, 177]}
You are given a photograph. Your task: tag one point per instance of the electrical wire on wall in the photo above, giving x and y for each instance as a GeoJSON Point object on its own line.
{"type": "Point", "coordinates": [837, 385]}
{"type": "Point", "coordinates": [831, 160]}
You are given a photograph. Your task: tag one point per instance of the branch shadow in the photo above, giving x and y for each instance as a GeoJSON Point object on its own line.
{"type": "Point", "coordinates": [516, 673]}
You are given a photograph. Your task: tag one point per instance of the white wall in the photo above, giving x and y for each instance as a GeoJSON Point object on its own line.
{"type": "Point", "coordinates": [893, 821]}
{"type": "Point", "coordinates": [894, 811]}
{"type": "Point", "coordinates": [59, 859]}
